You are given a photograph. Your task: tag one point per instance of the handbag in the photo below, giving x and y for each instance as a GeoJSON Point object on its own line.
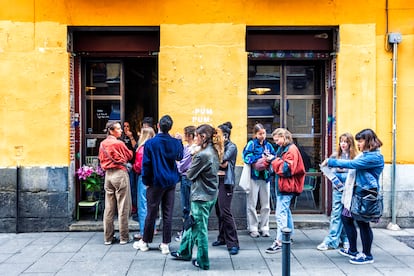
{"type": "Point", "coordinates": [245, 178]}
{"type": "Point", "coordinates": [367, 208]}
{"type": "Point", "coordinates": [261, 164]}
{"type": "Point", "coordinates": [188, 222]}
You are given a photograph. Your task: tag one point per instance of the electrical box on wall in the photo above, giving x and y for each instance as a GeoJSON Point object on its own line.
{"type": "Point", "coordinates": [394, 38]}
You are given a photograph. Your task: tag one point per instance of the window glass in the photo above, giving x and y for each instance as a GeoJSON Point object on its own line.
{"type": "Point", "coordinates": [264, 80]}
{"type": "Point", "coordinates": [103, 78]}
{"type": "Point", "coordinates": [304, 116]}
{"type": "Point", "coordinates": [99, 113]}
{"type": "Point", "coordinates": [301, 80]}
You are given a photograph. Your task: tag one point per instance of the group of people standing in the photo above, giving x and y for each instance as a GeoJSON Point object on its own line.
{"type": "Point", "coordinates": [161, 161]}
{"type": "Point", "coordinates": [358, 174]}
{"type": "Point", "coordinates": [285, 164]}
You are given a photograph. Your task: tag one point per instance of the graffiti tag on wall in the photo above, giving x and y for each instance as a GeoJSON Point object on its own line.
{"type": "Point", "coordinates": [202, 115]}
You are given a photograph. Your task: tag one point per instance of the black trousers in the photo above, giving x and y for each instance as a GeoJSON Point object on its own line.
{"type": "Point", "coordinates": [227, 226]}
{"type": "Point", "coordinates": [155, 196]}
{"type": "Point", "coordinates": [365, 232]}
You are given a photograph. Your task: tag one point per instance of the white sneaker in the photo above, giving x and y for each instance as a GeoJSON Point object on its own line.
{"type": "Point", "coordinates": [141, 245]}
{"type": "Point", "coordinates": [122, 242]}
{"type": "Point", "coordinates": [323, 247]}
{"type": "Point", "coordinates": [165, 249]}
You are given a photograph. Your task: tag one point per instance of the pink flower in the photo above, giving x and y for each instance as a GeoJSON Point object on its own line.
{"type": "Point", "coordinates": [85, 172]}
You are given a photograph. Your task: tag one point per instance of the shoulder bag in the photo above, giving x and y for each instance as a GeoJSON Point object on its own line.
{"type": "Point", "coordinates": [261, 164]}
{"type": "Point", "coordinates": [367, 208]}
{"type": "Point", "coordinates": [245, 178]}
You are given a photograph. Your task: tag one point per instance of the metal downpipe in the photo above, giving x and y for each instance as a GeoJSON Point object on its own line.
{"type": "Point", "coordinates": [393, 224]}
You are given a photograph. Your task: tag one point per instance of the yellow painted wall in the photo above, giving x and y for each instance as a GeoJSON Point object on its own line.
{"type": "Point", "coordinates": [202, 75]}
{"type": "Point", "coordinates": [356, 67]}
{"type": "Point", "coordinates": [202, 37]}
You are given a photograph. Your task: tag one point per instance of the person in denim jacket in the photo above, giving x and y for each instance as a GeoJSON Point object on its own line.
{"type": "Point", "coordinates": [346, 151]}
{"type": "Point", "coordinates": [260, 184]}
{"type": "Point", "coordinates": [368, 168]}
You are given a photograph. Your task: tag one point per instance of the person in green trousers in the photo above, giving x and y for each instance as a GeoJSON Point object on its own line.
{"type": "Point", "coordinates": [204, 190]}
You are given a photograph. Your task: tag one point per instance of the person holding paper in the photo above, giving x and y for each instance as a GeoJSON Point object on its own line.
{"type": "Point", "coordinates": [366, 170]}
{"type": "Point", "coordinates": [336, 235]}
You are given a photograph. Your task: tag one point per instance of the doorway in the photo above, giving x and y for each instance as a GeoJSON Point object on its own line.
{"type": "Point", "coordinates": [113, 76]}
{"type": "Point", "coordinates": [122, 89]}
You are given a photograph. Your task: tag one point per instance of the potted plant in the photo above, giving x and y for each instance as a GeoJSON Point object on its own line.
{"type": "Point", "coordinates": [91, 178]}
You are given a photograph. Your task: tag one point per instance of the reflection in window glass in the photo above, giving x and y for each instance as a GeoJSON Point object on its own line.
{"type": "Point", "coordinates": [301, 80]}
{"type": "Point", "coordinates": [304, 116]}
{"type": "Point", "coordinates": [103, 78]}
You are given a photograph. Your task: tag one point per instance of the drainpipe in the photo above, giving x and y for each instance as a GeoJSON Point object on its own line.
{"type": "Point", "coordinates": [394, 39]}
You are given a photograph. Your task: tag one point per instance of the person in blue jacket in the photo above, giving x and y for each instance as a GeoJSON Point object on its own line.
{"type": "Point", "coordinates": [368, 167]}
{"type": "Point", "coordinates": [255, 149]}
{"type": "Point", "coordinates": [160, 175]}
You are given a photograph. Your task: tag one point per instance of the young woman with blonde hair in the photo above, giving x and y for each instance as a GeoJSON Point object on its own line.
{"type": "Point", "coordinates": [290, 178]}
{"type": "Point", "coordinates": [146, 134]}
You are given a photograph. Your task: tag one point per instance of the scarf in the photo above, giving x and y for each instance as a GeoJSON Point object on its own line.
{"type": "Point", "coordinates": [349, 187]}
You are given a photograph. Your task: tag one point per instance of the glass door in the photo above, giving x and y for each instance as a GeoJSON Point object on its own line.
{"type": "Point", "coordinates": [290, 94]}
{"type": "Point", "coordinates": [103, 91]}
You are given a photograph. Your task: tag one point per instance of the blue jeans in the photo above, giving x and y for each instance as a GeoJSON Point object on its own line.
{"type": "Point", "coordinates": [185, 189]}
{"type": "Point", "coordinates": [142, 204]}
{"type": "Point", "coordinates": [336, 227]}
{"type": "Point", "coordinates": [283, 214]}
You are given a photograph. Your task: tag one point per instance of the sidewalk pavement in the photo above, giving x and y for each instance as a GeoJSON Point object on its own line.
{"type": "Point", "coordinates": [83, 253]}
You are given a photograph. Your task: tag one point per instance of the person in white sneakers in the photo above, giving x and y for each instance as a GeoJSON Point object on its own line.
{"type": "Point", "coordinates": [336, 235]}
{"type": "Point", "coordinates": [366, 169]}
{"type": "Point", "coordinates": [290, 178]}
{"type": "Point", "coordinates": [160, 175]}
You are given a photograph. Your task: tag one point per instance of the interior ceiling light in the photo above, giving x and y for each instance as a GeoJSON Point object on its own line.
{"type": "Point", "coordinates": [260, 90]}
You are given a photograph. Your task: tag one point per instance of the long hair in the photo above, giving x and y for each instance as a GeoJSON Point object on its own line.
{"type": "Point", "coordinates": [351, 142]}
{"type": "Point", "coordinates": [372, 142]}
{"type": "Point", "coordinates": [212, 135]}
{"type": "Point", "coordinates": [146, 134]}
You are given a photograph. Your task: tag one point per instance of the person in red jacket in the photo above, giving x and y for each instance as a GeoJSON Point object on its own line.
{"type": "Point", "coordinates": [113, 156]}
{"type": "Point", "coordinates": [290, 177]}
{"type": "Point", "coordinates": [146, 134]}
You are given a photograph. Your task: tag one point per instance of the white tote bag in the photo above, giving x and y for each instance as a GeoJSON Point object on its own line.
{"type": "Point", "coordinates": [245, 178]}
